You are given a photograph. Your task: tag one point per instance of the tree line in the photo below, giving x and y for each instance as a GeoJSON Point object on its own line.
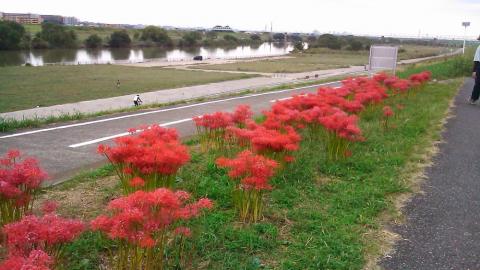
{"type": "Point", "coordinates": [14, 36]}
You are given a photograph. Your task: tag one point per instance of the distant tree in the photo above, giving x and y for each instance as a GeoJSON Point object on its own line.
{"type": "Point", "coordinates": [230, 38]}
{"type": "Point", "coordinates": [312, 39]}
{"type": "Point", "coordinates": [279, 36]}
{"type": "Point", "coordinates": [212, 35]}
{"type": "Point", "coordinates": [156, 34]}
{"type": "Point", "coordinates": [93, 41]}
{"type": "Point", "coordinates": [355, 44]}
{"type": "Point", "coordinates": [119, 39]}
{"type": "Point", "coordinates": [329, 41]}
{"type": "Point", "coordinates": [39, 43]}
{"type": "Point", "coordinates": [298, 45]}
{"type": "Point", "coordinates": [11, 35]}
{"type": "Point", "coordinates": [58, 36]}
{"type": "Point", "coordinates": [191, 38]}
{"type": "Point", "coordinates": [136, 35]}
{"type": "Point", "coordinates": [295, 38]}
{"type": "Point", "coordinates": [255, 37]}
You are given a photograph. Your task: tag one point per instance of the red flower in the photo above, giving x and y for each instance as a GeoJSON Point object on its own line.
{"type": "Point", "coordinates": [36, 260]}
{"type": "Point", "coordinates": [387, 111]}
{"type": "Point", "coordinates": [34, 232]}
{"type": "Point", "coordinates": [241, 114]}
{"type": "Point", "coordinates": [254, 171]}
{"type": "Point", "coordinates": [49, 207]}
{"type": "Point", "coordinates": [140, 216]}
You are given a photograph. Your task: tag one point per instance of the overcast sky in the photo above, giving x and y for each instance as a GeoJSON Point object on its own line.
{"type": "Point", "coordinates": [380, 17]}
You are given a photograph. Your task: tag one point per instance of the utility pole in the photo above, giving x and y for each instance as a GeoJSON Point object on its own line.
{"type": "Point", "coordinates": [465, 24]}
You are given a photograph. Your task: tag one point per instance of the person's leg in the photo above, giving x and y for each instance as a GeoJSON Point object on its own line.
{"type": "Point", "coordinates": [476, 90]}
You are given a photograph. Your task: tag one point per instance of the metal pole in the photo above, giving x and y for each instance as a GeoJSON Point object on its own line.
{"type": "Point", "coordinates": [464, 39]}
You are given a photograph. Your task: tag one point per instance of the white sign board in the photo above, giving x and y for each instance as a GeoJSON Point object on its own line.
{"type": "Point", "coordinates": [383, 57]}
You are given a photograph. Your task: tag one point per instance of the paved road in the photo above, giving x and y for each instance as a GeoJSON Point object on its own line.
{"type": "Point", "coordinates": [442, 230]}
{"type": "Point", "coordinates": [67, 148]}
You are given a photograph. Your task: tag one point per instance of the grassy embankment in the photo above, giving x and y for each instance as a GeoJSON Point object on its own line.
{"type": "Point", "coordinates": [27, 87]}
{"type": "Point", "coordinates": [321, 59]}
{"type": "Point", "coordinates": [320, 215]}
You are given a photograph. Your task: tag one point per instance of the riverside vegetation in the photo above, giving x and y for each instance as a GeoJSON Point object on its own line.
{"type": "Point", "coordinates": [297, 188]}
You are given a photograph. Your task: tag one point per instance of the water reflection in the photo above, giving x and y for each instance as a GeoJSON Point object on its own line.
{"type": "Point", "coordinates": [126, 55]}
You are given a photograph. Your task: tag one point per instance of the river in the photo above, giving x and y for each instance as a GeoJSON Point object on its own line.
{"type": "Point", "coordinates": [136, 55]}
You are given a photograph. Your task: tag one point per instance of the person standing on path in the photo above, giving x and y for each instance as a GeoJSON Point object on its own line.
{"type": "Point", "coordinates": [476, 76]}
{"type": "Point", "coordinates": [137, 101]}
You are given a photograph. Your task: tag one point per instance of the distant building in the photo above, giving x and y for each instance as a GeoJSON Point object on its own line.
{"type": "Point", "coordinates": [22, 18]}
{"type": "Point", "coordinates": [219, 28]}
{"type": "Point", "coordinates": [55, 19]}
{"type": "Point", "coordinates": [70, 21]}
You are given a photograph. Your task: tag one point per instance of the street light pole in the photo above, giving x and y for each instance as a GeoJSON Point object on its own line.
{"type": "Point", "coordinates": [465, 24]}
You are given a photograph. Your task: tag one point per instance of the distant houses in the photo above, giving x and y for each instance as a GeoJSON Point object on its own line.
{"type": "Point", "coordinates": [30, 18]}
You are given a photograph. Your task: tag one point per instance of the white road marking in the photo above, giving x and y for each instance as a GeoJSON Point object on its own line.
{"type": "Point", "coordinates": [123, 134]}
{"type": "Point", "coordinates": [158, 111]}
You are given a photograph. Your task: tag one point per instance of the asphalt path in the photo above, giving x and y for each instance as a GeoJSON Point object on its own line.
{"type": "Point", "coordinates": [442, 228]}
{"type": "Point", "coordinates": [65, 149]}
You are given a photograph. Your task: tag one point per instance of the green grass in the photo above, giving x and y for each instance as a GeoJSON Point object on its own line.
{"type": "Point", "coordinates": [319, 212]}
{"type": "Point", "coordinates": [296, 63]}
{"type": "Point", "coordinates": [320, 59]}
{"type": "Point", "coordinates": [27, 87]}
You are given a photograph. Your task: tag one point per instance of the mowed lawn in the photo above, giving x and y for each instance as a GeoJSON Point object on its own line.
{"type": "Point", "coordinates": [28, 87]}
{"type": "Point", "coordinates": [321, 59]}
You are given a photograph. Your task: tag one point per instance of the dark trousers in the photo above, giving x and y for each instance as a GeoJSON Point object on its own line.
{"type": "Point", "coordinates": [476, 88]}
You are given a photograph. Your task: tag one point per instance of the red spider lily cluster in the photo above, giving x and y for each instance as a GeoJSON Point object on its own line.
{"type": "Point", "coordinates": [254, 172]}
{"type": "Point", "coordinates": [39, 241]}
{"type": "Point", "coordinates": [20, 178]}
{"type": "Point", "coordinates": [143, 222]}
{"type": "Point", "coordinates": [420, 79]}
{"type": "Point", "coordinates": [36, 260]}
{"type": "Point", "coordinates": [148, 159]}
{"type": "Point", "coordinates": [277, 144]}
{"type": "Point", "coordinates": [211, 127]}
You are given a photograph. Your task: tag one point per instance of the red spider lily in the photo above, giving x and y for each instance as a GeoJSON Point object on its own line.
{"type": "Point", "coordinates": [387, 111]}
{"type": "Point", "coordinates": [19, 181]}
{"type": "Point", "coordinates": [253, 173]}
{"type": "Point", "coordinates": [36, 260]}
{"type": "Point", "coordinates": [48, 232]}
{"type": "Point", "coordinates": [380, 77]}
{"type": "Point", "coordinates": [143, 221]}
{"type": "Point", "coordinates": [242, 114]}
{"type": "Point", "coordinates": [342, 130]}
{"type": "Point", "coordinates": [421, 78]}
{"type": "Point", "coordinates": [49, 207]}
{"type": "Point", "coordinates": [154, 154]}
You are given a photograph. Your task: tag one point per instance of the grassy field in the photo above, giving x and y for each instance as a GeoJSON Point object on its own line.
{"type": "Point", "coordinates": [320, 59]}
{"type": "Point", "coordinates": [320, 215]}
{"type": "Point", "coordinates": [27, 87]}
